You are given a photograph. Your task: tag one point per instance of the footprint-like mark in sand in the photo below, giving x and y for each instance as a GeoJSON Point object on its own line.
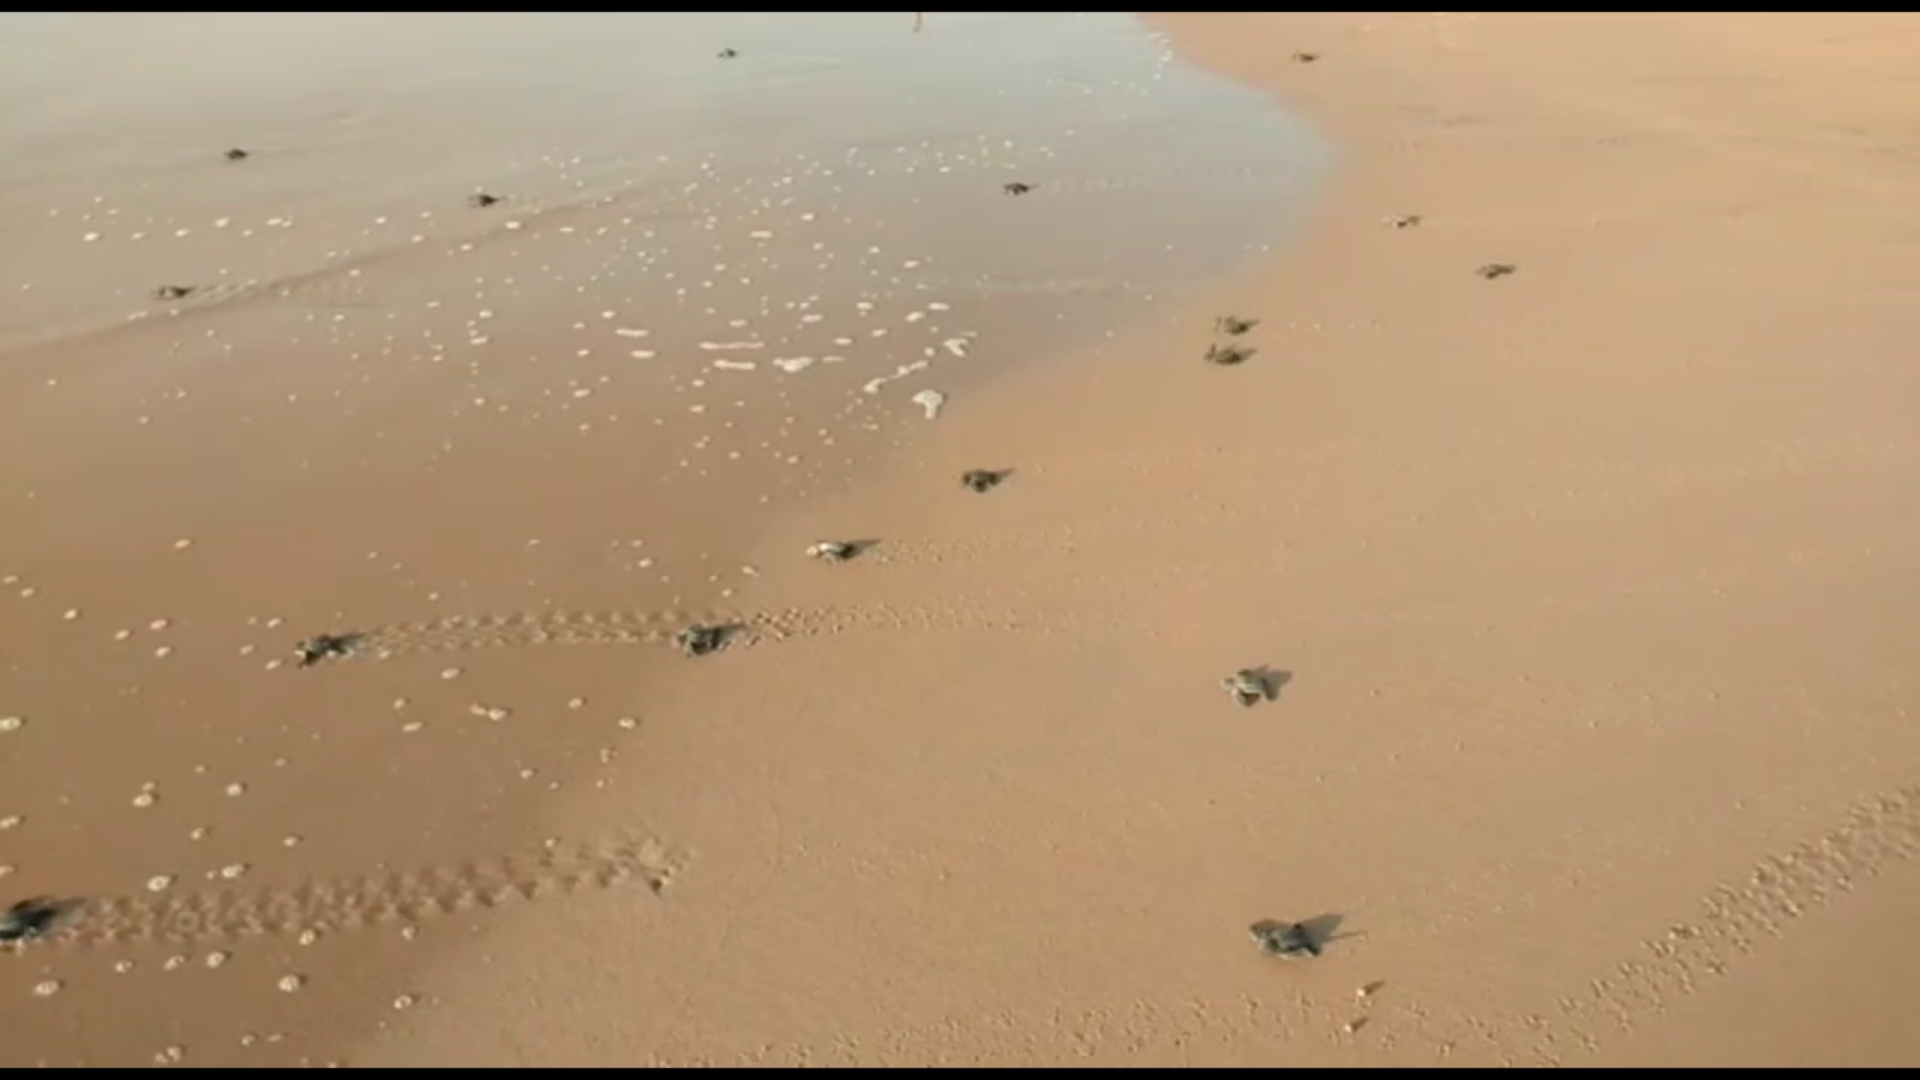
{"type": "Point", "coordinates": [328, 286]}
{"type": "Point", "coordinates": [747, 629]}
{"type": "Point", "coordinates": [352, 903]}
{"type": "Point", "coordinates": [1735, 920]}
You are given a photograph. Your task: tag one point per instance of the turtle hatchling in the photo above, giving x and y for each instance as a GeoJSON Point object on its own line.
{"type": "Point", "coordinates": [1234, 325]}
{"type": "Point", "coordinates": [1247, 686]}
{"type": "Point", "coordinates": [324, 647]}
{"type": "Point", "coordinates": [28, 919]}
{"type": "Point", "coordinates": [1227, 355]}
{"type": "Point", "coordinates": [1404, 221]}
{"type": "Point", "coordinates": [831, 550]}
{"type": "Point", "coordinates": [1305, 57]}
{"type": "Point", "coordinates": [729, 54]}
{"type": "Point", "coordinates": [1276, 938]}
{"type": "Point", "coordinates": [480, 200]}
{"type": "Point", "coordinates": [237, 154]}
{"type": "Point", "coordinates": [1496, 270]}
{"type": "Point", "coordinates": [173, 292]}
{"type": "Point", "coordinates": [1016, 188]}
{"type": "Point", "coordinates": [700, 639]}
{"type": "Point", "coordinates": [978, 480]}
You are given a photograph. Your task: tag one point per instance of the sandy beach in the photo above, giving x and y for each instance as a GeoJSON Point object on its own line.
{"type": "Point", "coordinates": [1560, 497]}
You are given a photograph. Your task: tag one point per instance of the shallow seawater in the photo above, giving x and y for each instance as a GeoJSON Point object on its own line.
{"type": "Point", "coordinates": [831, 195]}
{"type": "Point", "coordinates": [709, 289]}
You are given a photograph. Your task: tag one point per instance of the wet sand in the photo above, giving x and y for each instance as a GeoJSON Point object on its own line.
{"type": "Point", "coordinates": [1590, 583]}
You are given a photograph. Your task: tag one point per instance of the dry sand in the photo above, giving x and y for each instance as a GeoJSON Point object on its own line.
{"type": "Point", "coordinates": [1594, 583]}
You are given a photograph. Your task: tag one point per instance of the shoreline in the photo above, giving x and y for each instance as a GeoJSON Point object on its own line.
{"type": "Point", "coordinates": [385, 904]}
{"type": "Point", "coordinates": [1581, 578]}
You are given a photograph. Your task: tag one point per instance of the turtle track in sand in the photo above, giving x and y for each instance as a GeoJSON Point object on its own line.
{"type": "Point", "coordinates": [193, 918]}
{"type": "Point", "coordinates": [1733, 921]}
{"type": "Point", "coordinates": [522, 629]}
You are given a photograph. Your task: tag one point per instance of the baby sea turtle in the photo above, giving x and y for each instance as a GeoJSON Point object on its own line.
{"type": "Point", "coordinates": [29, 919]}
{"type": "Point", "coordinates": [1227, 355]}
{"type": "Point", "coordinates": [700, 639]}
{"type": "Point", "coordinates": [832, 550]}
{"type": "Point", "coordinates": [1016, 188]}
{"type": "Point", "coordinates": [1496, 270]}
{"type": "Point", "coordinates": [729, 54]}
{"type": "Point", "coordinates": [1248, 686]}
{"type": "Point", "coordinates": [173, 292]}
{"type": "Point", "coordinates": [1305, 57]}
{"type": "Point", "coordinates": [237, 154]}
{"type": "Point", "coordinates": [1234, 325]}
{"type": "Point", "coordinates": [979, 480]}
{"type": "Point", "coordinates": [1404, 221]}
{"type": "Point", "coordinates": [480, 200]}
{"type": "Point", "coordinates": [324, 647]}
{"type": "Point", "coordinates": [1276, 938]}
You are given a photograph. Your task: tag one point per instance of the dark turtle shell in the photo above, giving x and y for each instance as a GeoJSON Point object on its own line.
{"type": "Point", "coordinates": [1248, 687]}
{"type": "Point", "coordinates": [325, 647]}
{"type": "Point", "coordinates": [700, 639]}
{"type": "Point", "coordinates": [31, 918]}
{"type": "Point", "coordinates": [1227, 355]}
{"type": "Point", "coordinates": [982, 479]}
{"type": "Point", "coordinates": [1277, 938]}
{"type": "Point", "coordinates": [832, 550]}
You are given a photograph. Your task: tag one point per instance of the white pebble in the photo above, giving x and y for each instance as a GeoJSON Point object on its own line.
{"type": "Point", "coordinates": [48, 988]}
{"type": "Point", "coordinates": [12, 723]}
{"type": "Point", "coordinates": [159, 882]}
{"type": "Point", "coordinates": [930, 402]}
{"type": "Point", "coordinates": [236, 789]}
{"type": "Point", "coordinates": [450, 673]}
{"type": "Point", "coordinates": [290, 983]}
{"type": "Point", "coordinates": [233, 871]}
